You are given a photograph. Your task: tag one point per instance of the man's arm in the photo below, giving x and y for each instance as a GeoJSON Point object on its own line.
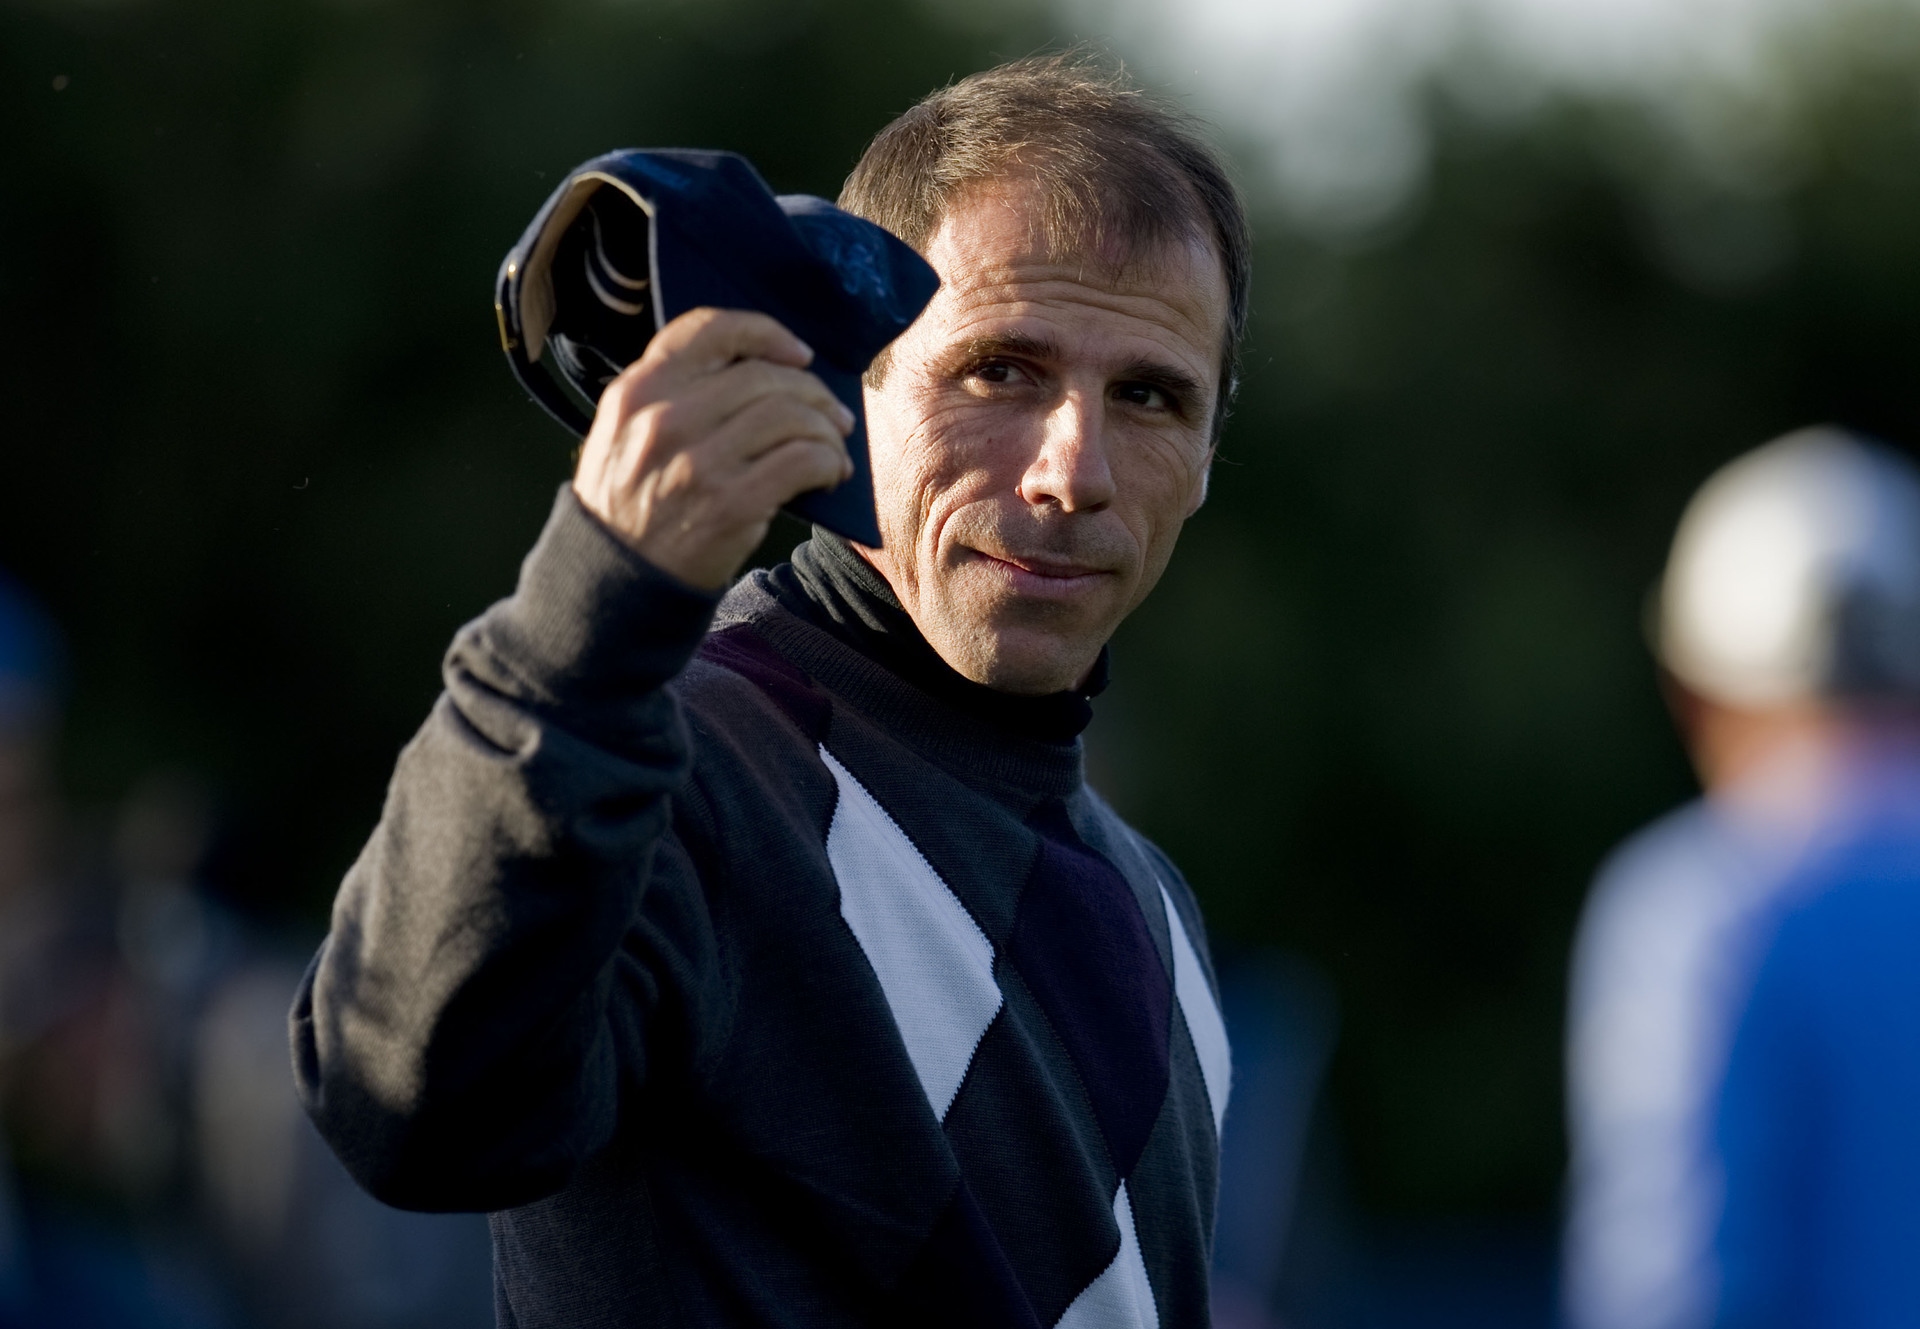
{"type": "Point", "coordinates": [467, 1029]}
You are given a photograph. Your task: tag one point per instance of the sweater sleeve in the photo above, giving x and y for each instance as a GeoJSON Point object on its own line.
{"type": "Point", "coordinates": [464, 1034]}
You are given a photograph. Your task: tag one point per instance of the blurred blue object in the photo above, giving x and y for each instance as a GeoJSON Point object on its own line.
{"type": "Point", "coordinates": [1281, 1023]}
{"type": "Point", "coordinates": [1454, 1276]}
{"type": "Point", "coordinates": [30, 662]}
{"type": "Point", "coordinates": [1818, 1123]}
{"type": "Point", "coordinates": [13, 1250]}
{"type": "Point", "coordinates": [29, 688]}
{"type": "Point", "coordinates": [1657, 981]}
{"type": "Point", "coordinates": [1288, 1254]}
{"type": "Point", "coordinates": [82, 1274]}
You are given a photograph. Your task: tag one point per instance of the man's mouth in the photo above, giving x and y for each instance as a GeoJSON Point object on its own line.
{"type": "Point", "coordinates": [1043, 575]}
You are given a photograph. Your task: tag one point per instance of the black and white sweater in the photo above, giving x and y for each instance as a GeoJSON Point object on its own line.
{"type": "Point", "coordinates": [798, 982]}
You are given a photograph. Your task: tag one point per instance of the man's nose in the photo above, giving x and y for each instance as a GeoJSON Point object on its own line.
{"type": "Point", "coordinates": [1071, 468]}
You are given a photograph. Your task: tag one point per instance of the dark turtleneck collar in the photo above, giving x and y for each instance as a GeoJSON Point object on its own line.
{"type": "Point", "coordinates": [828, 584]}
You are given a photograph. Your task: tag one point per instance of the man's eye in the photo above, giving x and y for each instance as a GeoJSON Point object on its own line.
{"type": "Point", "coordinates": [1144, 394]}
{"type": "Point", "coordinates": [994, 371]}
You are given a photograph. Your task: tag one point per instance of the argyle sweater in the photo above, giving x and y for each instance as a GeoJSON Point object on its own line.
{"type": "Point", "coordinates": [756, 969]}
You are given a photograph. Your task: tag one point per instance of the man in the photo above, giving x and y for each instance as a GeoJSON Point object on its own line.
{"type": "Point", "coordinates": [1745, 1025]}
{"type": "Point", "coordinates": [802, 980]}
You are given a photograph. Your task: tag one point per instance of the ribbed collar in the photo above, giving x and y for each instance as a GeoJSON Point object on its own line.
{"type": "Point", "coordinates": [829, 585]}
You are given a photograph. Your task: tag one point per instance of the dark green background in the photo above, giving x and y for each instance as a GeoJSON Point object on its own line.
{"type": "Point", "coordinates": [259, 454]}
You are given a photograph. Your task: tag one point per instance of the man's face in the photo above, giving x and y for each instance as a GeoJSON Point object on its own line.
{"type": "Point", "coordinates": [1042, 433]}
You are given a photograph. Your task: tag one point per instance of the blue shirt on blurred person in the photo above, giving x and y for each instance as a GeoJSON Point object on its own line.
{"type": "Point", "coordinates": [1746, 1060]}
{"type": "Point", "coordinates": [1817, 1124]}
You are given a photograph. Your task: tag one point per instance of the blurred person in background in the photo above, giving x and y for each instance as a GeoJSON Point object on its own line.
{"type": "Point", "coordinates": [97, 1224]}
{"type": "Point", "coordinates": [86, 1156]}
{"type": "Point", "coordinates": [166, 1177]}
{"type": "Point", "coordinates": [1744, 1042]}
{"type": "Point", "coordinates": [806, 982]}
{"type": "Point", "coordinates": [304, 1246]}
{"type": "Point", "coordinates": [294, 1242]}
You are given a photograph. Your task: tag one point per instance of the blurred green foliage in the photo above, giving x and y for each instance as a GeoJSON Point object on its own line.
{"type": "Point", "coordinates": [259, 455]}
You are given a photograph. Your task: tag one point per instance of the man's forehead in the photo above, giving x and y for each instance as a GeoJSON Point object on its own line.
{"type": "Point", "coordinates": [994, 246]}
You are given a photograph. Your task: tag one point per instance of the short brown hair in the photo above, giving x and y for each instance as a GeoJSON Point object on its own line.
{"type": "Point", "coordinates": [1112, 162]}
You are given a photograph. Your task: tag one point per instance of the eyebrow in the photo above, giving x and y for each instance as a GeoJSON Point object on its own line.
{"type": "Point", "coordinates": [1171, 379]}
{"type": "Point", "coordinates": [1023, 344]}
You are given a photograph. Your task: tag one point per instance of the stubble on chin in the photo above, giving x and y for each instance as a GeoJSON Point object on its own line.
{"type": "Point", "coordinates": [1008, 641]}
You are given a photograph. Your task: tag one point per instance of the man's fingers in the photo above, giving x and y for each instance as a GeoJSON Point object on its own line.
{"type": "Point", "coordinates": [705, 340]}
{"type": "Point", "coordinates": [792, 468]}
{"type": "Point", "coordinates": [751, 380]}
{"type": "Point", "coordinates": [699, 441]}
{"type": "Point", "coordinates": [716, 400]}
{"type": "Point", "coordinates": [769, 422]}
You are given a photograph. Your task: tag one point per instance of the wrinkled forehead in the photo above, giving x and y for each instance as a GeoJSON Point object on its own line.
{"type": "Point", "coordinates": [1069, 226]}
{"type": "Point", "coordinates": [1010, 231]}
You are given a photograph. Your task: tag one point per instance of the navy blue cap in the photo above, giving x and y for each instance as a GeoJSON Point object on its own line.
{"type": "Point", "coordinates": [633, 239]}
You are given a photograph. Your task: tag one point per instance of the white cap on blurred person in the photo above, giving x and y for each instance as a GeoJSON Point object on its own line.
{"type": "Point", "coordinates": [1795, 574]}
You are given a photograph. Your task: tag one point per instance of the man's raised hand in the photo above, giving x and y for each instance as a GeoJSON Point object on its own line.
{"type": "Point", "coordinates": [700, 441]}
